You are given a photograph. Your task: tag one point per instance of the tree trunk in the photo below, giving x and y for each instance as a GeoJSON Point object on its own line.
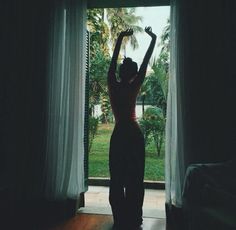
{"type": "Point", "coordinates": [160, 145]}
{"type": "Point", "coordinates": [143, 100]}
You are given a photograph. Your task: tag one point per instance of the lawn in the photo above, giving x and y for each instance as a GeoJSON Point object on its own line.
{"type": "Point", "coordinates": [98, 157]}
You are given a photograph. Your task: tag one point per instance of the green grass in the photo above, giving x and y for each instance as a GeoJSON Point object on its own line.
{"type": "Point", "coordinates": [98, 157]}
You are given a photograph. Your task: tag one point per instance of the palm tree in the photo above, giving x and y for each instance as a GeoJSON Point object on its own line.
{"type": "Point", "coordinates": [99, 31]}
{"type": "Point", "coordinates": [155, 86]}
{"type": "Point", "coordinates": [122, 19]}
{"type": "Point", "coordinates": [165, 38]}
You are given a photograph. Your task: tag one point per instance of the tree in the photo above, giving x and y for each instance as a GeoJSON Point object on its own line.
{"type": "Point", "coordinates": [99, 31]}
{"type": "Point", "coordinates": [162, 63]}
{"type": "Point", "coordinates": [93, 127]}
{"type": "Point", "coordinates": [122, 19]}
{"type": "Point", "coordinates": [153, 92]}
{"type": "Point", "coordinates": [98, 78]}
{"type": "Point", "coordinates": [99, 55]}
{"type": "Point", "coordinates": [155, 89]}
{"type": "Point", "coordinates": [165, 38]}
{"type": "Point", "coordinates": [155, 86]}
{"type": "Point", "coordinates": [106, 116]}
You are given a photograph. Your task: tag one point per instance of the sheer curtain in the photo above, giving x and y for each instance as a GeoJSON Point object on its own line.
{"type": "Point", "coordinates": [175, 164]}
{"type": "Point", "coordinates": [64, 170]}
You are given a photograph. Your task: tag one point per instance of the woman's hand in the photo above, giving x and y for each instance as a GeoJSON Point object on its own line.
{"type": "Point", "coordinates": [148, 30]}
{"type": "Point", "coordinates": [127, 32]}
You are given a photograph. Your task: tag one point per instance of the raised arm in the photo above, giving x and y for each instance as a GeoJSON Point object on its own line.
{"type": "Point", "coordinates": [143, 67]}
{"type": "Point", "coordinates": [113, 65]}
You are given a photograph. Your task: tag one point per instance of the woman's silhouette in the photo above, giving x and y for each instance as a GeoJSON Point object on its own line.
{"type": "Point", "coordinates": [127, 151]}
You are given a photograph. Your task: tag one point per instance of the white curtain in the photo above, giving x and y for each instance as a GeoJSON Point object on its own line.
{"type": "Point", "coordinates": [66, 79]}
{"type": "Point", "coordinates": [174, 165]}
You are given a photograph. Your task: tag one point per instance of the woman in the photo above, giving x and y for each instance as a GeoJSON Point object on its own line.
{"type": "Point", "coordinates": [127, 150]}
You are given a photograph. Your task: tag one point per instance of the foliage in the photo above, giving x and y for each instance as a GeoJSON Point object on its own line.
{"type": "Point", "coordinates": [97, 78]}
{"type": "Point", "coordinates": [99, 55]}
{"type": "Point", "coordinates": [93, 126]}
{"type": "Point", "coordinates": [152, 89]}
{"type": "Point", "coordinates": [161, 69]}
{"type": "Point", "coordinates": [153, 127]}
{"type": "Point", "coordinates": [122, 19]}
{"type": "Point", "coordinates": [155, 86]}
{"type": "Point", "coordinates": [165, 38]}
{"type": "Point", "coordinates": [99, 31]}
{"type": "Point", "coordinates": [161, 66]}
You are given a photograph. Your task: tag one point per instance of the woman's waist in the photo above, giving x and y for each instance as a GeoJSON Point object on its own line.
{"type": "Point", "coordinates": [125, 117]}
{"type": "Point", "coordinates": [127, 130]}
{"type": "Point", "coordinates": [127, 123]}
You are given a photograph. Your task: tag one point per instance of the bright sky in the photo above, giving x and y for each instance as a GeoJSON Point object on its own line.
{"type": "Point", "coordinates": [156, 17]}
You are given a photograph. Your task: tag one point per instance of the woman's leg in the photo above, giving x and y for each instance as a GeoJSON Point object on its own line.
{"type": "Point", "coordinates": [134, 191]}
{"type": "Point", "coordinates": [116, 165]}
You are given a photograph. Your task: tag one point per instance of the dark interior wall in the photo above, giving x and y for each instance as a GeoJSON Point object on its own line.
{"type": "Point", "coordinates": [24, 47]}
{"type": "Point", "coordinates": [209, 52]}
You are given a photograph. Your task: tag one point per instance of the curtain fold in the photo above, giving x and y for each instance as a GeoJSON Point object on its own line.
{"type": "Point", "coordinates": [199, 84]}
{"type": "Point", "coordinates": [174, 156]}
{"type": "Point", "coordinates": [64, 172]}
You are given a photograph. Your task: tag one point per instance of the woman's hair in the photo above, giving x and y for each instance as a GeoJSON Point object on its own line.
{"type": "Point", "coordinates": [128, 69]}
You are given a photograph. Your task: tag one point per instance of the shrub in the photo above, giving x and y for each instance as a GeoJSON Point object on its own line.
{"type": "Point", "coordinates": [153, 127]}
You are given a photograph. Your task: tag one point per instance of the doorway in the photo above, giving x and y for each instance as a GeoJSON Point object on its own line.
{"type": "Point", "coordinates": [151, 100]}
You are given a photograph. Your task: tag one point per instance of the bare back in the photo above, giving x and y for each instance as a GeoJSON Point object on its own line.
{"type": "Point", "coordinates": [123, 100]}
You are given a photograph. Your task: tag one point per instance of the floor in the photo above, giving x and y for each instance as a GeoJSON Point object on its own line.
{"type": "Point", "coordinates": [96, 215]}
{"type": "Point", "coordinates": [105, 222]}
{"type": "Point", "coordinates": [96, 202]}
